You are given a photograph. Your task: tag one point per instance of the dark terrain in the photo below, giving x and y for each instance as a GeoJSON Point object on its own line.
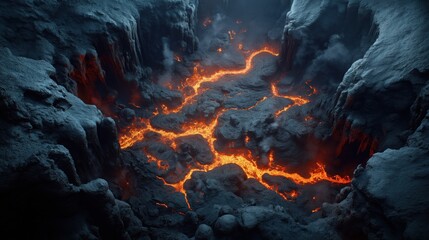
{"type": "Point", "coordinates": [204, 119]}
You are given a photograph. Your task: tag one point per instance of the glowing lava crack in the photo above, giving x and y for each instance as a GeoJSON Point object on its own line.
{"type": "Point", "coordinates": [136, 133]}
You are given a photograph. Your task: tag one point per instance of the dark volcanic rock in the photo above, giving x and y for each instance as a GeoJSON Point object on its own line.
{"type": "Point", "coordinates": [381, 93]}
{"type": "Point", "coordinates": [250, 217]}
{"type": "Point", "coordinates": [101, 51]}
{"type": "Point", "coordinates": [171, 122]}
{"type": "Point", "coordinates": [229, 177]}
{"type": "Point", "coordinates": [63, 147]}
{"type": "Point", "coordinates": [64, 176]}
{"type": "Point", "coordinates": [226, 223]}
{"type": "Point", "coordinates": [197, 147]}
{"type": "Point", "coordinates": [204, 232]}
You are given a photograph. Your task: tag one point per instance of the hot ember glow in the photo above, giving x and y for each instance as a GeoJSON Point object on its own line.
{"type": "Point", "coordinates": [308, 118]}
{"type": "Point", "coordinates": [313, 89]}
{"type": "Point", "coordinates": [246, 139]}
{"type": "Point", "coordinates": [297, 100]}
{"type": "Point", "coordinates": [315, 210]}
{"type": "Point", "coordinates": [162, 204]}
{"type": "Point", "coordinates": [231, 34]}
{"type": "Point", "coordinates": [136, 133]}
{"type": "Point", "coordinates": [207, 22]}
{"type": "Point", "coordinates": [198, 78]}
{"type": "Point", "coordinates": [177, 58]}
{"type": "Point", "coordinates": [162, 165]}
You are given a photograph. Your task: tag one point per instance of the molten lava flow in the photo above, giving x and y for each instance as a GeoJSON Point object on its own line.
{"type": "Point", "coordinates": [254, 105]}
{"type": "Point", "coordinates": [313, 89]}
{"type": "Point", "coordinates": [159, 163]}
{"type": "Point", "coordinates": [270, 157]}
{"type": "Point", "coordinates": [297, 101]}
{"type": "Point", "coordinates": [196, 80]}
{"type": "Point", "coordinates": [138, 131]}
{"type": "Point", "coordinates": [293, 194]}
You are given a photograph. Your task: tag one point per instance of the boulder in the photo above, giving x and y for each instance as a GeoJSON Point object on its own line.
{"type": "Point", "coordinates": [226, 223]}
{"type": "Point", "coordinates": [204, 232]}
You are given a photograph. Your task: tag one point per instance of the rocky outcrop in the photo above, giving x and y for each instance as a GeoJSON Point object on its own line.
{"type": "Point", "coordinates": [54, 150]}
{"type": "Point", "coordinates": [101, 51]}
{"type": "Point", "coordinates": [322, 39]}
{"type": "Point", "coordinates": [380, 105]}
{"type": "Point", "coordinates": [378, 91]}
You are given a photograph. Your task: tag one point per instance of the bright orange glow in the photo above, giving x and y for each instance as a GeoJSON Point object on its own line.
{"type": "Point", "coordinates": [315, 210]}
{"type": "Point", "coordinates": [293, 194]}
{"type": "Point", "coordinates": [313, 89]}
{"type": "Point", "coordinates": [164, 108]}
{"type": "Point", "coordinates": [219, 50]}
{"type": "Point", "coordinates": [297, 101]}
{"type": "Point", "coordinates": [288, 196]}
{"type": "Point", "coordinates": [162, 165]}
{"type": "Point", "coordinates": [270, 157]}
{"type": "Point", "coordinates": [197, 79]}
{"type": "Point", "coordinates": [231, 34]}
{"type": "Point", "coordinates": [136, 133]}
{"type": "Point", "coordinates": [308, 118]}
{"type": "Point", "coordinates": [246, 139]}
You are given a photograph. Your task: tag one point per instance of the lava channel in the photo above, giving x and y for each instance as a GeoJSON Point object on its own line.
{"type": "Point", "coordinates": [136, 133]}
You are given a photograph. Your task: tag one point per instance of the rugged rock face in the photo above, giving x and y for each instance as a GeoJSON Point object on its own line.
{"type": "Point", "coordinates": [55, 149]}
{"type": "Point", "coordinates": [363, 65]}
{"type": "Point", "coordinates": [101, 51]}
{"type": "Point", "coordinates": [379, 94]}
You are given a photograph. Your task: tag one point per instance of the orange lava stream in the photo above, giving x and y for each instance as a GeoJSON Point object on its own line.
{"type": "Point", "coordinates": [137, 131]}
{"type": "Point", "coordinates": [315, 210]}
{"type": "Point", "coordinates": [297, 100]}
{"type": "Point", "coordinates": [196, 80]}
